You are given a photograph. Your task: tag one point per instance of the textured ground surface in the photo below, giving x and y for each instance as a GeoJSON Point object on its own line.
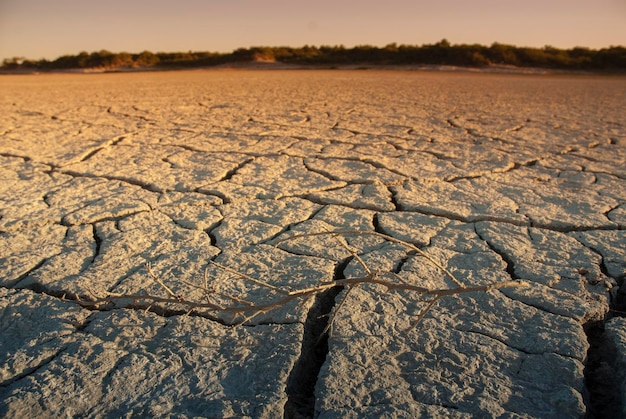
{"type": "Point", "coordinates": [495, 177]}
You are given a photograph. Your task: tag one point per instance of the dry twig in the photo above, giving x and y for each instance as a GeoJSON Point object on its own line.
{"type": "Point", "coordinates": [244, 311]}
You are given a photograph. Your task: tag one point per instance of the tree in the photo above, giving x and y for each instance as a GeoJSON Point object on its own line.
{"type": "Point", "coordinates": [443, 43]}
{"type": "Point", "coordinates": [146, 59]}
{"type": "Point", "coordinates": [12, 63]}
{"type": "Point", "coordinates": [503, 54]}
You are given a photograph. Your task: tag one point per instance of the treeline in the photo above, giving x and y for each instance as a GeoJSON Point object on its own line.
{"type": "Point", "coordinates": [441, 53]}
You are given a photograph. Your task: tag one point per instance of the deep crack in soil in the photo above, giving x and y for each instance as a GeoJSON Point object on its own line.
{"type": "Point", "coordinates": [602, 394]}
{"type": "Point", "coordinates": [303, 378]}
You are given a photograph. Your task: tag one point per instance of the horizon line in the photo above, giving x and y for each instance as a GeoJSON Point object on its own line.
{"type": "Point", "coordinates": [365, 45]}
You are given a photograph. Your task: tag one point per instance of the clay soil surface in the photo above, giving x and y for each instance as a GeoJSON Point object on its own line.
{"type": "Point", "coordinates": [131, 184]}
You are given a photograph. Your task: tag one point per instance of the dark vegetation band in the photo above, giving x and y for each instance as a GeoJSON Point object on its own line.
{"type": "Point", "coordinates": [440, 53]}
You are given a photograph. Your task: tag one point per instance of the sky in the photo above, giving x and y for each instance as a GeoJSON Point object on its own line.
{"type": "Point", "coordinates": [37, 29]}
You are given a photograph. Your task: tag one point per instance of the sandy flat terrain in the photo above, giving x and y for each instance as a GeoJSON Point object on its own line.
{"type": "Point", "coordinates": [133, 184]}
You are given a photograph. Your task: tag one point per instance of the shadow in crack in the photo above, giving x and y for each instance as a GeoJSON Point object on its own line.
{"type": "Point", "coordinates": [303, 377]}
{"type": "Point", "coordinates": [602, 391]}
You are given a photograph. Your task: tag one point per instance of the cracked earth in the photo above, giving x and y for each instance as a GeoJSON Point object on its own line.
{"type": "Point", "coordinates": [497, 177]}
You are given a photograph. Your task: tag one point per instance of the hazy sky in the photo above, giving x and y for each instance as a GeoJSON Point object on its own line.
{"type": "Point", "coordinates": [49, 28]}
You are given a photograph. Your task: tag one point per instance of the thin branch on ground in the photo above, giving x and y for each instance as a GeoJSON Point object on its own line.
{"type": "Point", "coordinates": [244, 311]}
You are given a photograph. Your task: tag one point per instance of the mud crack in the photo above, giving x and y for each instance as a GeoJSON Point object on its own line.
{"type": "Point", "coordinates": [304, 375]}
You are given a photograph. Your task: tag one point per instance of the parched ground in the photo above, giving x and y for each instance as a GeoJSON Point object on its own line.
{"type": "Point", "coordinates": [133, 184]}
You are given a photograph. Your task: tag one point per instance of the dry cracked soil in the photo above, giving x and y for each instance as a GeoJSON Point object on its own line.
{"type": "Point", "coordinates": [124, 197]}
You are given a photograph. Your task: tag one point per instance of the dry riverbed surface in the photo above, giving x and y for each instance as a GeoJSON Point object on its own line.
{"type": "Point", "coordinates": [131, 184]}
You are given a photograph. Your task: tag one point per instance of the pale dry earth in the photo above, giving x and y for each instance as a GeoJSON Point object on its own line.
{"type": "Point", "coordinates": [496, 177]}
